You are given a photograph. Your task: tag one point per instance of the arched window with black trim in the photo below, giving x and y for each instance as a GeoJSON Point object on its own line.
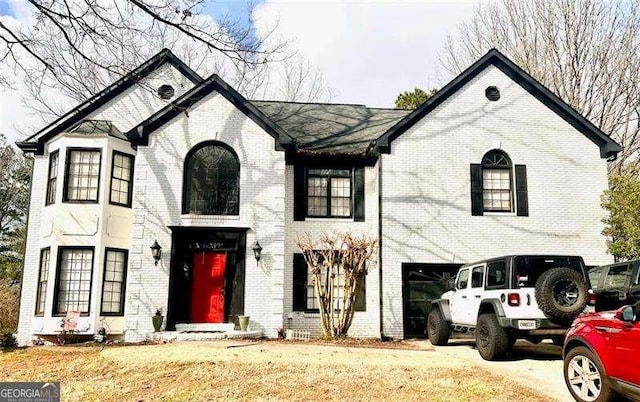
{"type": "Point", "coordinates": [211, 180]}
{"type": "Point", "coordinates": [492, 188]}
{"type": "Point", "coordinates": [497, 191]}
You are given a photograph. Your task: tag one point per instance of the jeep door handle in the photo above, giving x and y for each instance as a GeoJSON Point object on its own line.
{"type": "Point", "coordinates": [464, 297]}
{"type": "Point", "coordinates": [478, 296]}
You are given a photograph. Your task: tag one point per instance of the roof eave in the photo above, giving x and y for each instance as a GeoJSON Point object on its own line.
{"type": "Point", "coordinates": [608, 147]}
{"type": "Point", "coordinates": [139, 135]}
{"type": "Point", "coordinates": [90, 105]}
{"type": "Point", "coordinates": [28, 147]}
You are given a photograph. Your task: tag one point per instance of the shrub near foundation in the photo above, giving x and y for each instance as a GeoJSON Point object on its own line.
{"type": "Point", "coordinates": [9, 304]}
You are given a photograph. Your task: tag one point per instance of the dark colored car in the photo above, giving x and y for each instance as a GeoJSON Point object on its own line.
{"type": "Point", "coordinates": [616, 285]}
{"type": "Point", "coordinates": [602, 355]}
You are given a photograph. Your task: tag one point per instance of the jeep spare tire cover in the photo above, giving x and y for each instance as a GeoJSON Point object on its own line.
{"type": "Point", "coordinates": [561, 294]}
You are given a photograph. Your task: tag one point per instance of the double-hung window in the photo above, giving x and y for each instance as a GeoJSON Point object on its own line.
{"type": "Point", "coordinates": [497, 195]}
{"type": "Point", "coordinates": [52, 180]}
{"type": "Point", "coordinates": [82, 179]}
{"type": "Point", "coordinates": [121, 179]}
{"type": "Point", "coordinates": [329, 193]}
{"type": "Point", "coordinates": [113, 283]}
{"type": "Point", "coordinates": [73, 282]}
{"type": "Point", "coordinates": [43, 275]}
{"type": "Point", "coordinates": [492, 185]}
{"type": "Point", "coordinates": [304, 292]}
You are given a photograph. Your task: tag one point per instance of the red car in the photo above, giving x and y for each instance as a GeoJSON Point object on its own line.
{"type": "Point", "coordinates": [602, 355]}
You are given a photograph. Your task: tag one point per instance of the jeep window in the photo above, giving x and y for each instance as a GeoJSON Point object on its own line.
{"type": "Point", "coordinates": [617, 276]}
{"type": "Point", "coordinates": [477, 275]}
{"type": "Point", "coordinates": [497, 275]}
{"type": "Point", "coordinates": [594, 277]}
{"type": "Point", "coordinates": [528, 269]}
{"type": "Point", "coordinates": [463, 279]}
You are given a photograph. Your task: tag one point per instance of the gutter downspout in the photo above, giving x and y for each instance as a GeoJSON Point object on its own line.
{"type": "Point", "coordinates": [380, 294]}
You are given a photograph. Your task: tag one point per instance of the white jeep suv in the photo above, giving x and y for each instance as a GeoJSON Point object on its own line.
{"type": "Point", "coordinates": [506, 298]}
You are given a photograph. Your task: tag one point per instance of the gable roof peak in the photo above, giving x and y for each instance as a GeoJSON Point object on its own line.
{"type": "Point", "coordinates": [35, 143]}
{"type": "Point", "coordinates": [608, 147]}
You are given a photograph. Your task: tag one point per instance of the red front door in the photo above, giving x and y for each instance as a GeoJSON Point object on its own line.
{"type": "Point", "coordinates": [207, 294]}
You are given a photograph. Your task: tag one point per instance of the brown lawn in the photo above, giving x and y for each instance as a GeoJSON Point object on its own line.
{"type": "Point", "coordinates": [263, 370]}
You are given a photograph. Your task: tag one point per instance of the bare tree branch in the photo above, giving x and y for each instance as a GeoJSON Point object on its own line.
{"type": "Point", "coordinates": [586, 51]}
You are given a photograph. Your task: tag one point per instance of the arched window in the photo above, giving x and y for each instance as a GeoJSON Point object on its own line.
{"type": "Point", "coordinates": [211, 180]}
{"type": "Point", "coordinates": [492, 185]}
{"type": "Point", "coordinates": [497, 188]}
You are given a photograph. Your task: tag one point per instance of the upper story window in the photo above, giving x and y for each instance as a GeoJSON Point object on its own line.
{"type": "Point", "coordinates": [82, 179]}
{"type": "Point", "coordinates": [328, 192]}
{"type": "Point", "coordinates": [497, 194]}
{"type": "Point", "coordinates": [211, 180]}
{"type": "Point", "coordinates": [121, 179]}
{"type": "Point", "coordinates": [492, 185]}
{"type": "Point", "coordinates": [52, 182]}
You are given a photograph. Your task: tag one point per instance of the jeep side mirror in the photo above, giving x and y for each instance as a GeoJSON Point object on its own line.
{"type": "Point", "coordinates": [451, 284]}
{"type": "Point", "coordinates": [626, 314]}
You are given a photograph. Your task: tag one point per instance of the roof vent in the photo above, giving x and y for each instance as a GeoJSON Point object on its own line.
{"type": "Point", "coordinates": [166, 91]}
{"type": "Point", "coordinates": [492, 93]}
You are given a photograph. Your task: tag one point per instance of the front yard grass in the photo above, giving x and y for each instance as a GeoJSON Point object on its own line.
{"type": "Point", "coordinates": [225, 370]}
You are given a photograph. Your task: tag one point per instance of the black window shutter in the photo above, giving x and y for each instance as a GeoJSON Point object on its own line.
{"type": "Point", "coordinates": [358, 194]}
{"type": "Point", "coordinates": [299, 193]}
{"type": "Point", "coordinates": [522, 198]}
{"type": "Point", "coordinates": [361, 300]}
{"type": "Point", "coordinates": [299, 283]}
{"type": "Point", "coordinates": [476, 190]}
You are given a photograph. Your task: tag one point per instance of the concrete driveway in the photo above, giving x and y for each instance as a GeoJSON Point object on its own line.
{"type": "Point", "coordinates": [538, 365]}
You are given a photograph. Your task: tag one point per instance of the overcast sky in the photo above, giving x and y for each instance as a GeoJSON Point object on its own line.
{"type": "Point", "coordinates": [368, 51]}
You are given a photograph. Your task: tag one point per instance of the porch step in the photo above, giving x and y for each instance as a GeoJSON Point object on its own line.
{"type": "Point", "coordinates": [172, 336]}
{"type": "Point", "coordinates": [205, 327]}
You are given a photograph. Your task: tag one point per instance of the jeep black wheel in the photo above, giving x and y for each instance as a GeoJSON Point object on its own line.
{"type": "Point", "coordinates": [492, 341]}
{"type": "Point", "coordinates": [437, 328]}
{"type": "Point", "coordinates": [561, 294]}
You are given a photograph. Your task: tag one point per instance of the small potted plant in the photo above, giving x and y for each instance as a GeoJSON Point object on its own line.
{"type": "Point", "coordinates": [157, 320]}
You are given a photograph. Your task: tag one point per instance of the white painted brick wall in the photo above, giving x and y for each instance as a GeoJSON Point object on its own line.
{"type": "Point", "coordinates": [141, 100]}
{"type": "Point", "coordinates": [69, 224]}
{"type": "Point", "coordinates": [426, 186]}
{"type": "Point", "coordinates": [158, 204]}
{"type": "Point", "coordinates": [365, 323]}
{"type": "Point", "coordinates": [32, 251]}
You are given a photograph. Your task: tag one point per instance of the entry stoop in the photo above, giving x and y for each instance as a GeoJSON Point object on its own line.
{"type": "Point", "coordinates": [204, 332]}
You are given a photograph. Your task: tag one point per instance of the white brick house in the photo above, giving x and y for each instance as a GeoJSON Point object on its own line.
{"type": "Point", "coordinates": [492, 164]}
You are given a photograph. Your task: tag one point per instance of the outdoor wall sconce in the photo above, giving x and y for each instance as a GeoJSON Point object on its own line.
{"type": "Point", "coordinates": [156, 251]}
{"type": "Point", "coordinates": [257, 252]}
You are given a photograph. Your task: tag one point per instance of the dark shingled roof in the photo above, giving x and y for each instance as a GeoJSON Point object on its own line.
{"type": "Point", "coordinates": [89, 127]}
{"type": "Point", "coordinates": [331, 128]}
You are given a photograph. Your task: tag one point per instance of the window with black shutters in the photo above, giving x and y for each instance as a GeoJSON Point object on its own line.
{"type": "Point", "coordinates": [212, 180]}
{"type": "Point", "coordinates": [328, 192]}
{"type": "Point", "coordinates": [304, 294]}
{"type": "Point", "coordinates": [492, 185]}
